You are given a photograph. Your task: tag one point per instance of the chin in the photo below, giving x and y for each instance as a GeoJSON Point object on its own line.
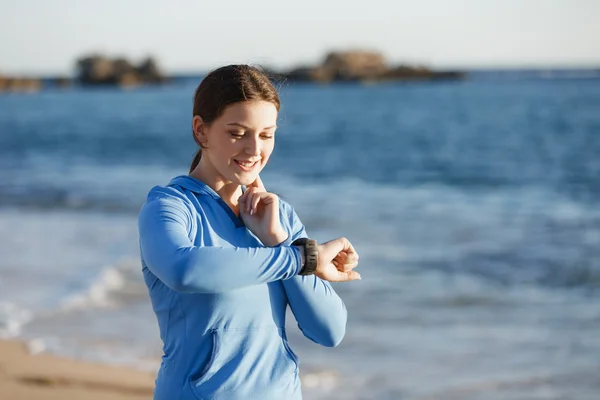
{"type": "Point", "coordinates": [246, 180]}
{"type": "Point", "coordinates": [242, 179]}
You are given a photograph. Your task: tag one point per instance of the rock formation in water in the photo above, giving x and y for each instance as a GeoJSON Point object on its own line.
{"type": "Point", "coordinates": [364, 66]}
{"type": "Point", "coordinates": [337, 66]}
{"type": "Point", "coordinates": [100, 70]}
{"type": "Point", "coordinates": [19, 84]}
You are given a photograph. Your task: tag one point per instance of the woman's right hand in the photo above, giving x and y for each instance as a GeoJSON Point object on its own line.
{"type": "Point", "coordinates": [337, 260]}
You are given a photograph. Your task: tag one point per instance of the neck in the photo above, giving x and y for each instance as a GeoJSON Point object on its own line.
{"type": "Point", "coordinates": [227, 190]}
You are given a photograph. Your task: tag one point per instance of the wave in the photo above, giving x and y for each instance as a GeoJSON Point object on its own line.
{"type": "Point", "coordinates": [12, 319]}
{"type": "Point", "coordinates": [114, 287]}
{"type": "Point", "coordinates": [60, 199]}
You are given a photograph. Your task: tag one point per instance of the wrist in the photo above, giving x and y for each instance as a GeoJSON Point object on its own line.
{"type": "Point", "coordinates": [276, 239]}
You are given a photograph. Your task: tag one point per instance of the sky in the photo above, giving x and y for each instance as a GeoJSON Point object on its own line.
{"type": "Point", "coordinates": [187, 36]}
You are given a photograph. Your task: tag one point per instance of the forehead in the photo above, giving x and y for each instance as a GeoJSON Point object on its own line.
{"type": "Point", "coordinates": [257, 114]}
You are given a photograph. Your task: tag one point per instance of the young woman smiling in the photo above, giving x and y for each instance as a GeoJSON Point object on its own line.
{"type": "Point", "coordinates": [223, 258]}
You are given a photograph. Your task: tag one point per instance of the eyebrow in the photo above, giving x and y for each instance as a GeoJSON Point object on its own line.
{"type": "Point", "coordinates": [248, 128]}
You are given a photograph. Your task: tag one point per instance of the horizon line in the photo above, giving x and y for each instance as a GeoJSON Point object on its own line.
{"type": "Point", "coordinates": [467, 68]}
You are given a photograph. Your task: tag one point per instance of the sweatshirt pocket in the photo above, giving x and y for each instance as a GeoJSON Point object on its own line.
{"type": "Point", "coordinates": [246, 362]}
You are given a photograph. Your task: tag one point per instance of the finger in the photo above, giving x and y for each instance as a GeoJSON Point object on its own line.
{"type": "Point", "coordinates": [258, 183]}
{"type": "Point", "coordinates": [333, 247]}
{"type": "Point", "coordinates": [346, 276]}
{"type": "Point", "coordinates": [343, 245]}
{"type": "Point", "coordinates": [246, 198]}
{"type": "Point", "coordinates": [242, 203]}
{"type": "Point", "coordinates": [353, 276]}
{"type": "Point", "coordinates": [344, 266]}
{"type": "Point", "coordinates": [264, 198]}
{"type": "Point", "coordinates": [254, 203]}
{"type": "Point", "coordinates": [250, 202]}
{"type": "Point", "coordinates": [251, 190]}
{"type": "Point", "coordinates": [351, 251]}
{"type": "Point", "coordinates": [268, 198]}
{"type": "Point", "coordinates": [344, 256]}
{"type": "Point", "coordinates": [348, 266]}
{"type": "Point", "coordinates": [349, 257]}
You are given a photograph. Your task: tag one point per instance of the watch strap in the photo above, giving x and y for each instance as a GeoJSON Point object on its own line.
{"type": "Point", "coordinates": [310, 255]}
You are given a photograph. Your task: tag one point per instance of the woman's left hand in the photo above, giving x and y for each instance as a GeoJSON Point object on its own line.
{"type": "Point", "coordinates": [259, 210]}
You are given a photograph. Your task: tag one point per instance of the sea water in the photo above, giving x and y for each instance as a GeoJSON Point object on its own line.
{"type": "Point", "coordinates": [474, 206]}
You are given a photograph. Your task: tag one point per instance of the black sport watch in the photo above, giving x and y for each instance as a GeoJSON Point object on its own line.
{"type": "Point", "coordinates": [310, 255]}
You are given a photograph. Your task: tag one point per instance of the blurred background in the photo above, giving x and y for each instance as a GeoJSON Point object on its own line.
{"type": "Point", "coordinates": [455, 143]}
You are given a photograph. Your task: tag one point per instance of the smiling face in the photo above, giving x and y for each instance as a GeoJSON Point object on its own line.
{"type": "Point", "coordinates": [237, 145]}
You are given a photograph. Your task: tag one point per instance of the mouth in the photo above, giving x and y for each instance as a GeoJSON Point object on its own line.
{"type": "Point", "coordinates": [246, 166]}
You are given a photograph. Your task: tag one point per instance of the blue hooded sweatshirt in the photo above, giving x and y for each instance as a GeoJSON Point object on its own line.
{"type": "Point", "coordinates": [220, 297]}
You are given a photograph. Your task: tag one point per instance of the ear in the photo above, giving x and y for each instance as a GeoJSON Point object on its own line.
{"type": "Point", "coordinates": [199, 128]}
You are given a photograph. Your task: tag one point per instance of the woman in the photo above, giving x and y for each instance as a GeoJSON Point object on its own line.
{"type": "Point", "coordinates": [221, 264]}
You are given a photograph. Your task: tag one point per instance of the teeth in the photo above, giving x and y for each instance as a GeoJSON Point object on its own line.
{"type": "Point", "coordinates": [246, 163]}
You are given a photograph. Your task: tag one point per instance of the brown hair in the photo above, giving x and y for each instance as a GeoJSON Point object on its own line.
{"type": "Point", "coordinates": [227, 85]}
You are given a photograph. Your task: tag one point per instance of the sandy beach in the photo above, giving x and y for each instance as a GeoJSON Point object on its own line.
{"type": "Point", "coordinates": [44, 376]}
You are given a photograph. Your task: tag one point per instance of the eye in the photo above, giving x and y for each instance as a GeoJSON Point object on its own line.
{"type": "Point", "coordinates": [270, 134]}
{"type": "Point", "coordinates": [236, 135]}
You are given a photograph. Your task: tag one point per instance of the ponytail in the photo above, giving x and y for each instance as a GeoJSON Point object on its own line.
{"type": "Point", "coordinates": [196, 160]}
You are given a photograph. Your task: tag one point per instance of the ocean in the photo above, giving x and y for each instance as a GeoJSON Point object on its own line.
{"type": "Point", "coordinates": [474, 206]}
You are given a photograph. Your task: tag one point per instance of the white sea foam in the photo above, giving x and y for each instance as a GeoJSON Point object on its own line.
{"type": "Point", "coordinates": [109, 288]}
{"type": "Point", "coordinates": [36, 346]}
{"type": "Point", "coordinates": [325, 379]}
{"type": "Point", "coordinates": [12, 319]}
{"type": "Point", "coordinates": [109, 280]}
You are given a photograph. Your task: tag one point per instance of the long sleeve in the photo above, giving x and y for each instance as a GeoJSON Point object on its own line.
{"type": "Point", "coordinates": [319, 311]}
{"type": "Point", "coordinates": [170, 255]}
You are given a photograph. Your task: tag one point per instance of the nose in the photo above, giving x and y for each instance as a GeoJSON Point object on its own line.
{"type": "Point", "coordinates": [253, 147]}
